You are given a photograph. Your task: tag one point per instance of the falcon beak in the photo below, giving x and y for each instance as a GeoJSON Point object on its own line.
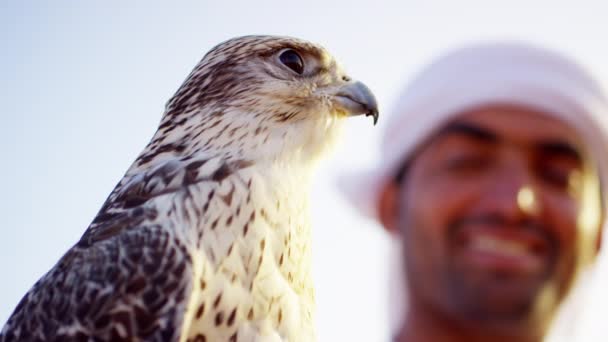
{"type": "Point", "coordinates": [355, 98]}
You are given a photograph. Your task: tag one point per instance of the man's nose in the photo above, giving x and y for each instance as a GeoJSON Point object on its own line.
{"type": "Point", "coordinates": [514, 193]}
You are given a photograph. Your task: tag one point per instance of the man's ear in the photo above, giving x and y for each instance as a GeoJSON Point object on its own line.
{"type": "Point", "coordinates": [388, 207]}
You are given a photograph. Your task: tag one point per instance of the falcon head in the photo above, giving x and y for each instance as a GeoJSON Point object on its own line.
{"type": "Point", "coordinates": [262, 97]}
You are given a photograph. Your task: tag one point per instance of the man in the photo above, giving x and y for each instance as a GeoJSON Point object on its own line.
{"type": "Point", "coordinates": [490, 178]}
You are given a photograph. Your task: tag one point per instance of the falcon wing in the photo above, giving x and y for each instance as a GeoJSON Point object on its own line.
{"type": "Point", "coordinates": [127, 277]}
{"type": "Point", "coordinates": [126, 207]}
{"type": "Point", "coordinates": [127, 287]}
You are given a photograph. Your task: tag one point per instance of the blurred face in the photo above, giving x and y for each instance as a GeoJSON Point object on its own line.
{"type": "Point", "coordinates": [497, 213]}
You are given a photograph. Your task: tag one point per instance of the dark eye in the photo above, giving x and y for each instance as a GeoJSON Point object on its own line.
{"type": "Point", "coordinates": [292, 60]}
{"type": "Point", "coordinates": [555, 177]}
{"type": "Point", "coordinates": [558, 172]}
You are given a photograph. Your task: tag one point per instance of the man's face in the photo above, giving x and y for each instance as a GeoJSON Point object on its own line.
{"type": "Point", "coordinates": [496, 213]}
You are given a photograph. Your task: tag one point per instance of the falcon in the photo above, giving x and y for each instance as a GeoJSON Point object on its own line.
{"type": "Point", "coordinates": [207, 236]}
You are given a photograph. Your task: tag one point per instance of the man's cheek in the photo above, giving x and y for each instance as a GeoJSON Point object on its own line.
{"type": "Point", "coordinates": [562, 216]}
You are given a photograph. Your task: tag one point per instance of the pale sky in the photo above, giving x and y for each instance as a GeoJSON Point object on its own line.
{"type": "Point", "coordinates": [83, 88]}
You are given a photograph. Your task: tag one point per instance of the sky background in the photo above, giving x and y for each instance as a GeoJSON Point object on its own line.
{"type": "Point", "coordinates": [83, 86]}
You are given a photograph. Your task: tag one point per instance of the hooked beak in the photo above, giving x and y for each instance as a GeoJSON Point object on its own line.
{"type": "Point", "coordinates": [355, 98]}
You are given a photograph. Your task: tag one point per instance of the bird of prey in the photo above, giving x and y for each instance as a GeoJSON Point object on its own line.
{"type": "Point", "coordinates": [207, 236]}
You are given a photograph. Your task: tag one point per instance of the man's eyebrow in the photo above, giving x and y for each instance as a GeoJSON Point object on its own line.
{"type": "Point", "coordinates": [470, 130]}
{"type": "Point", "coordinates": [558, 147]}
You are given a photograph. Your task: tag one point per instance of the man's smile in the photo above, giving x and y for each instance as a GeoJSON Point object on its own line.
{"type": "Point", "coordinates": [506, 249]}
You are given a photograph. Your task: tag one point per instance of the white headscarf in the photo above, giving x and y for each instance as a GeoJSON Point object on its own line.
{"type": "Point", "coordinates": [506, 73]}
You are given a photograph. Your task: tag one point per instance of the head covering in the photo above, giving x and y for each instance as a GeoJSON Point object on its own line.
{"type": "Point", "coordinates": [506, 73]}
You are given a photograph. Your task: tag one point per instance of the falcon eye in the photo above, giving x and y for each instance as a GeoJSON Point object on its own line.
{"type": "Point", "coordinates": [292, 60]}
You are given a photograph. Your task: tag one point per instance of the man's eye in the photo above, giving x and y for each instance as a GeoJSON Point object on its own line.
{"type": "Point", "coordinates": [558, 172]}
{"type": "Point", "coordinates": [557, 176]}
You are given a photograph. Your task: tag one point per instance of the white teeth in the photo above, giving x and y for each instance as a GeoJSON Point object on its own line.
{"type": "Point", "coordinates": [484, 243]}
{"type": "Point", "coordinates": [519, 253]}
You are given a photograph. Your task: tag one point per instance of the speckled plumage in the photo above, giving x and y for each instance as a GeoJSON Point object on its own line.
{"type": "Point", "coordinates": [207, 238]}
